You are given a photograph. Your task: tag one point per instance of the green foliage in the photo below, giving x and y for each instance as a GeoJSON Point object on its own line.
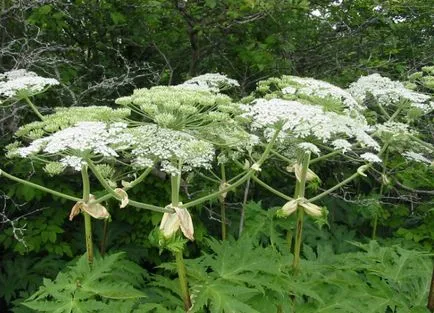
{"type": "Point", "coordinates": [21, 275]}
{"type": "Point", "coordinates": [85, 288]}
{"type": "Point", "coordinates": [239, 276]}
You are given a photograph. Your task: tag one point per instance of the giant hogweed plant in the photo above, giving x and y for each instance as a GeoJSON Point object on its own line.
{"type": "Point", "coordinates": [193, 127]}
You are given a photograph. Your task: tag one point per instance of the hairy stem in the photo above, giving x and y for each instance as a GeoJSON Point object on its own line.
{"type": "Point", "coordinates": [240, 181]}
{"type": "Point", "coordinates": [175, 182]}
{"type": "Point", "coordinates": [223, 203]}
{"type": "Point", "coordinates": [337, 186]}
{"type": "Point", "coordinates": [113, 194]}
{"type": "Point", "coordinates": [87, 219]}
{"type": "Point", "coordinates": [303, 160]}
{"type": "Point", "coordinates": [104, 237]}
{"type": "Point", "coordinates": [383, 173]}
{"type": "Point", "coordinates": [34, 108]}
{"type": "Point", "coordinates": [182, 274]}
{"type": "Point", "coordinates": [243, 207]}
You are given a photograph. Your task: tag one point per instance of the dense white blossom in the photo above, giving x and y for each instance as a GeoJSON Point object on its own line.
{"type": "Point", "coordinates": [418, 157]}
{"type": "Point", "coordinates": [370, 157]}
{"type": "Point", "coordinates": [318, 88]}
{"type": "Point", "coordinates": [343, 144]}
{"type": "Point", "coordinates": [388, 92]}
{"type": "Point", "coordinates": [306, 121]}
{"type": "Point", "coordinates": [15, 82]}
{"type": "Point", "coordinates": [72, 161]}
{"type": "Point", "coordinates": [210, 81]}
{"type": "Point", "coordinates": [171, 147]}
{"type": "Point", "coordinates": [307, 146]}
{"type": "Point", "coordinates": [94, 138]}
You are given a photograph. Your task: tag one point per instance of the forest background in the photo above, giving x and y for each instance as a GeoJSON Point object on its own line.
{"type": "Point", "coordinates": [101, 50]}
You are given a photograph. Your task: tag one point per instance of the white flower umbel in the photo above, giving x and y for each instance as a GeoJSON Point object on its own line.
{"type": "Point", "coordinates": [343, 144]}
{"type": "Point", "coordinates": [417, 157]}
{"type": "Point", "coordinates": [388, 92]}
{"type": "Point", "coordinates": [86, 139]}
{"type": "Point", "coordinates": [22, 83]}
{"type": "Point", "coordinates": [318, 88]}
{"type": "Point", "coordinates": [170, 147]}
{"type": "Point", "coordinates": [306, 121]}
{"type": "Point", "coordinates": [67, 117]}
{"type": "Point", "coordinates": [210, 81]}
{"type": "Point", "coordinates": [370, 157]}
{"type": "Point", "coordinates": [307, 146]}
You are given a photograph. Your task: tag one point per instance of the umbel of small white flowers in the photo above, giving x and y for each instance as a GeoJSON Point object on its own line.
{"type": "Point", "coordinates": [22, 83]}
{"type": "Point", "coordinates": [146, 145]}
{"type": "Point", "coordinates": [309, 91]}
{"type": "Point", "coordinates": [389, 93]}
{"type": "Point", "coordinates": [308, 122]}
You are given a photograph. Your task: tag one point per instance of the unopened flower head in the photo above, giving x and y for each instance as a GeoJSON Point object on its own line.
{"type": "Point", "coordinates": [304, 121]}
{"type": "Point", "coordinates": [389, 93]}
{"type": "Point", "coordinates": [179, 108]}
{"type": "Point", "coordinates": [85, 139]}
{"type": "Point", "coordinates": [67, 117]}
{"type": "Point", "coordinates": [22, 83]}
{"type": "Point", "coordinates": [170, 148]}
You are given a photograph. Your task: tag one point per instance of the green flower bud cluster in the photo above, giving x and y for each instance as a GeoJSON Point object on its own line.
{"type": "Point", "coordinates": [67, 117]}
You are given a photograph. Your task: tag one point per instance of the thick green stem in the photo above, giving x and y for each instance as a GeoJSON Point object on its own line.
{"type": "Point", "coordinates": [223, 203]}
{"type": "Point", "coordinates": [244, 178]}
{"type": "Point", "coordinates": [303, 160]}
{"type": "Point", "coordinates": [34, 108]}
{"type": "Point", "coordinates": [182, 274]}
{"type": "Point", "coordinates": [113, 194]}
{"type": "Point", "coordinates": [39, 187]}
{"type": "Point", "coordinates": [87, 218]}
{"type": "Point", "coordinates": [325, 156]}
{"type": "Point", "coordinates": [383, 173]}
{"type": "Point", "coordinates": [328, 191]}
{"type": "Point", "coordinates": [271, 189]}
{"type": "Point", "coordinates": [175, 181]}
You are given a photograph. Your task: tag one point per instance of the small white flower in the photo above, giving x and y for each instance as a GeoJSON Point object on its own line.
{"type": "Point", "coordinates": [417, 157]}
{"type": "Point", "coordinates": [210, 81]}
{"type": "Point", "coordinates": [307, 146]}
{"type": "Point", "coordinates": [341, 144]}
{"type": "Point", "coordinates": [72, 161]}
{"type": "Point", "coordinates": [16, 81]}
{"type": "Point", "coordinates": [370, 157]}
{"type": "Point", "coordinates": [151, 142]}
{"type": "Point", "coordinates": [388, 92]}
{"type": "Point", "coordinates": [306, 121]}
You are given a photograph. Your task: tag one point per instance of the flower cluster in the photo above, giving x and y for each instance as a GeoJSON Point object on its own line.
{"type": "Point", "coordinates": [67, 117]}
{"type": "Point", "coordinates": [210, 81]}
{"type": "Point", "coordinates": [179, 108]}
{"type": "Point", "coordinates": [309, 90]}
{"type": "Point", "coordinates": [85, 139]}
{"type": "Point", "coordinates": [22, 83]}
{"type": "Point", "coordinates": [171, 148]}
{"type": "Point", "coordinates": [303, 121]}
{"type": "Point", "coordinates": [417, 157]}
{"type": "Point", "coordinates": [389, 93]}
